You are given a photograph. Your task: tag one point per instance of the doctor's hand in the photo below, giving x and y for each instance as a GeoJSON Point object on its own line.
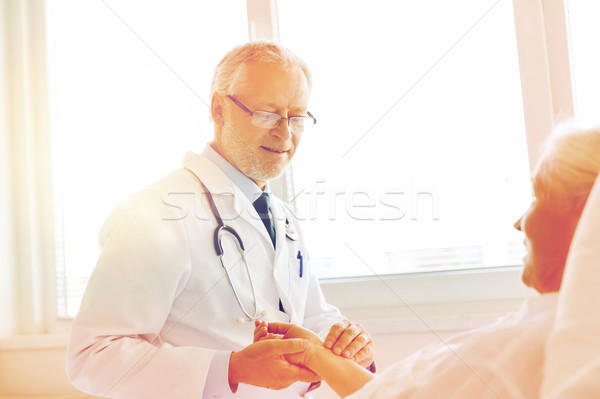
{"type": "Point", "coordinates": [351, 341]}
{"type": "Point", "coordinates": [265, 331]}
{"type": "Point", "coordinates": [264, 364]}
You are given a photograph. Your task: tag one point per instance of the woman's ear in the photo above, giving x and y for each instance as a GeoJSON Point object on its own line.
{"type": "Point", "coordinates": [216, 109]}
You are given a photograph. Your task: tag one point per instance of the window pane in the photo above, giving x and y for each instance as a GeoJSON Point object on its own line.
{"type": "Point", "coordinates": [419, 159]}
{"type": "Point", "coordinates": [584, 32]}
{"type": "Point", "coordinates": [129, 92]}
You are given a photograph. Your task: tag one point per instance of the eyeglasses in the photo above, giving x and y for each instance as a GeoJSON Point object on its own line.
{"type": "Point", "coordinates": [269, 120]}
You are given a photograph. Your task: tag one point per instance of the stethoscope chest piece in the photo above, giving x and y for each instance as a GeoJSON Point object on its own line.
{"type": "Point", "coordinates": [290, 232]}
{"type": "Point", "coordinates": [242, 320]}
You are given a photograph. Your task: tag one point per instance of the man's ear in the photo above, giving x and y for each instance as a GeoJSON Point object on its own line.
{"type": "Point", "coordinates": [216, 109]}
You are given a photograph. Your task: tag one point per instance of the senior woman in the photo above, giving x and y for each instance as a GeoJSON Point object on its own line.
{"type": "Point", "coordinates": [505, 359]}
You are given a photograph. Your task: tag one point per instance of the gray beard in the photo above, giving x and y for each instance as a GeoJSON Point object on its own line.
{"type": "Point", "coordinates": [246, 160]}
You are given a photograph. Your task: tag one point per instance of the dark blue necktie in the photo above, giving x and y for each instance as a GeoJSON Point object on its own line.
{"type": "Point", "coordinates": [262, 207]}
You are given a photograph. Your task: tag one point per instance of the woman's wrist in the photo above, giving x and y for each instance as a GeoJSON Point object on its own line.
{"type": "Point", "coordinates": [315, 355]}
{"type": "Point", "coordinates": [343, 375]}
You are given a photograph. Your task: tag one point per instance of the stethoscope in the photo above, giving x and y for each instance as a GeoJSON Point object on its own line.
{"type": "Point", "coordinates": [219, 232]}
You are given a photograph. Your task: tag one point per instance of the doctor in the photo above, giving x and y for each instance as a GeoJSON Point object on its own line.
{"type": "Point", "coordinates": [164, 316]}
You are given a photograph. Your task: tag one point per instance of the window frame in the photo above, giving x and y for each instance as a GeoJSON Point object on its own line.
{"type": "Point", "coordinates": [546, 84]}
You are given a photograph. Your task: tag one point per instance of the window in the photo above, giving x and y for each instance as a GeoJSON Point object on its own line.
{"type": "Point", "coordinates": [419, 161]}
{"type": "Point", "coordinates": [583, 28]}
{"type": "Point", "coordinates": [128, 96]}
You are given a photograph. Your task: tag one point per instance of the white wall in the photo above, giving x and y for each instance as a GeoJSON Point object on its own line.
{"type": "Point", "coordinates": [34, 366]}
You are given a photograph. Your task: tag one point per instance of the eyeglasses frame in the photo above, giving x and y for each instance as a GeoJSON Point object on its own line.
{"type": "Point", "coordinates": [247, 110]}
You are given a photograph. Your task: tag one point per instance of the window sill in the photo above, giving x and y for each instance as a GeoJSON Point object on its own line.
{"type": "Point", "coordinates": [418, 302]}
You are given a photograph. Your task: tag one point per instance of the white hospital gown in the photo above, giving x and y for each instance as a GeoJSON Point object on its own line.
{"type": "Point", "coordinates": [502, 360]}
{"type": "Point", "coordinates": [573, 353]}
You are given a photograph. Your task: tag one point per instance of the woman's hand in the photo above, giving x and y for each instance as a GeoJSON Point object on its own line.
{"type": "Point", "coordinates": [351, 341]}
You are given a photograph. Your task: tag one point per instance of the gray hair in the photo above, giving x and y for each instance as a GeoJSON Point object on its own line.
{"type": "Point", "coordinates": [571, 162]}
{"type": "Point", "coordinates": [230, 69]}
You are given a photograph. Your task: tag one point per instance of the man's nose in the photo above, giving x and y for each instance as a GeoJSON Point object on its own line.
{"type": "Point", "coordinates": [283, 130]}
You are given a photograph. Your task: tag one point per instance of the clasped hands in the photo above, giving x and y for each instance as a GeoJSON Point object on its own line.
{"type": "Point", "coordinates": [281, 352]}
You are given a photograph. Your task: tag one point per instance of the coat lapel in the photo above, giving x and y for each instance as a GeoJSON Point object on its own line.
{"type": "Point", "coordinates": [286, 278]}
{"type": "Point", "coordinates": [279, 218]}
{"type": "Point", "coordinates": [234, 207]}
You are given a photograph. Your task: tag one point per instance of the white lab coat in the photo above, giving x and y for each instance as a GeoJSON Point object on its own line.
{"type": "Point", "coordinates": [158, 304]}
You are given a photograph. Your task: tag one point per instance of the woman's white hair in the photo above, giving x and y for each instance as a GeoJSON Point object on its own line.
{"type": "Point", "coordinates": [571, 162]}
{"type": "Point", "coordinates": [230, 69]}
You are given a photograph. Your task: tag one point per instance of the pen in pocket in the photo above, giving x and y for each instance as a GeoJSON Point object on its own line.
{"type": "Point", "coordinates": [299, 256]}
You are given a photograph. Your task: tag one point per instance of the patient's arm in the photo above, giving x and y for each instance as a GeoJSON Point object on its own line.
{"type": "Point", "coordinates": [343, 375]}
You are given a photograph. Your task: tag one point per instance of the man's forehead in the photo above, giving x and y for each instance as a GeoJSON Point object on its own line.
{"type": "Point", "coordinates": [253, 71]}
{"type": "Point", "coordinates": [265, 82]}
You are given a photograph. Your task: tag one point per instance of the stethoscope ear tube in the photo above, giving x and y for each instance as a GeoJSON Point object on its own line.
{"type": "Point", "coordinates": [230, 230]}
{"type": "Point", "coordinates": [221, 226]}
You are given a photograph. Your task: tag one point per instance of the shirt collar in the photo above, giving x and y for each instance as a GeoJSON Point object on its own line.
{"type": "Point", "coordinates": [246, 185]}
